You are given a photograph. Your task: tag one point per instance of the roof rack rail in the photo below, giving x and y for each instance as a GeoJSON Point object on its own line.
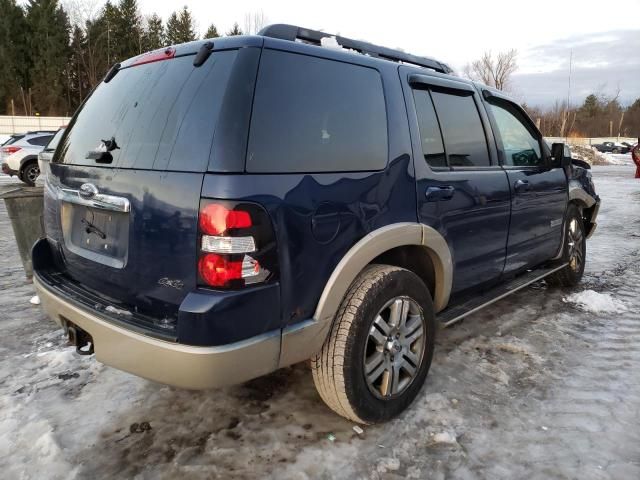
{"type": "Point", "coordinates": [294, 33]}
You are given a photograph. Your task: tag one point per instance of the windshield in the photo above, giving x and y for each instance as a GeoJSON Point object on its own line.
{"type": "Point", "coordinates": [156, 116]}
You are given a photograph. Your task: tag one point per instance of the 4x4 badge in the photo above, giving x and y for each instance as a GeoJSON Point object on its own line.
{"type": "Point", "coordinates": [88, 191]}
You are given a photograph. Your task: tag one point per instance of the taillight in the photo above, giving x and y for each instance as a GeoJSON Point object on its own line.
{"type": "Point", "coordinates": [216, 219]}
{"type": "Point", "coordinates": [11, 150]}
{"type": "Point", "coordinates": [236, 245]}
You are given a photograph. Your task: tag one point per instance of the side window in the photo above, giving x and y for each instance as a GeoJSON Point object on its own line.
{"type": "Point", "coordinates": [464, 137]}
{"type": "Point", "coordinates": [316, 115]}
{"type": "Point", "coordinates": [40, 141]}
{"type": "Point", "coordinates": [430, 136]}
{"type": "Point", "coordinates": [521, 147]}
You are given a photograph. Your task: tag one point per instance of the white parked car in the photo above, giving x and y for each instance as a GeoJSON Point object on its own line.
{"type": "Point", "coordinates": [19, 155]}
{"type": "Point", "coordinates": [45, 156]}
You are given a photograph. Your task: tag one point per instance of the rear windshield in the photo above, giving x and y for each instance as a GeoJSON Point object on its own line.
{"type": "Point", "coordinates": [55, 140]}
{"type": "Point", "coordinates": [13, 139]}
{"type": "Point", "coordinates": [162, 116]}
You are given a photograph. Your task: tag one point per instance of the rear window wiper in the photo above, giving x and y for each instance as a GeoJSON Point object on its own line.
{"type": "Point", "coordinates": [112, 73]}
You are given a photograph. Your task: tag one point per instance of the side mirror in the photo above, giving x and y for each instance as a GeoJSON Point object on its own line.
{"type": "Point", "coordinates": [561, 155]}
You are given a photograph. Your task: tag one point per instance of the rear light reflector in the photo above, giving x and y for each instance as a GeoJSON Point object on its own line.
{"type": "Point", "coordinates": [11, 150]}
{"type": "Point", "coordinates": [219, 271]}
{"type": "Point", "coordinates": [228, 245]}
{"type": "Point", "coordinates": [216, 219]}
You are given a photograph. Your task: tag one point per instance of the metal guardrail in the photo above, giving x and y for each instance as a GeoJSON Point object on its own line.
{"type": "Point", "coordinates": [591, 141]}
{"type": "Point", "coordinates": [22, 124]}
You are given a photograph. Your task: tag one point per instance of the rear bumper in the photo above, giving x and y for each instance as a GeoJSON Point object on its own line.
{"type": "Point", "coordinates": [175, 364]}
{"type": "Point", "coordinates": [8, 170]}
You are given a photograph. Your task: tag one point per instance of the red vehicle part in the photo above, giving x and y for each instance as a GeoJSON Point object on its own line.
{"type": "Point", "coordinates": [635, 154]}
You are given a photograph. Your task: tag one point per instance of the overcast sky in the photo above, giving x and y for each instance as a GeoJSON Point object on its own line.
{"type": "Point", "coordinates": [604, 36]}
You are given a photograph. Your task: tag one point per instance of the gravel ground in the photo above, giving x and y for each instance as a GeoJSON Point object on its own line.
{"type": "Point", "coordinates": [543, 384]}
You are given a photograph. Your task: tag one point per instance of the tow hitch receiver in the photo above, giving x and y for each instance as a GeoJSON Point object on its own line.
{"type": "Point", "coordinates": [81, 339]}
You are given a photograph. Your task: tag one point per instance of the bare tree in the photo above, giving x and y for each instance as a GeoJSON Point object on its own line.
{"type": "Point", "coordinates": [495, 72]}
{"type": "Point", "coordinates": [253, 22]}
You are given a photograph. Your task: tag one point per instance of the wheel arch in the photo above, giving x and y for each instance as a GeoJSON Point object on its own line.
{"type": "Point", "coordinates": [301, 341]}
{"type": "Point", "coordinates": [27, 160]}
{"type": "Point", "coordinates": [579, 196]}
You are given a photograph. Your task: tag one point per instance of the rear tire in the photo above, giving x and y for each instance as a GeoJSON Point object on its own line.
{"type": "Point", "coordinates": [380, 347]}
{"type": "Point", "coordinates": [574, 251]}
{"type": "Point", "coordinates": [30, 173]}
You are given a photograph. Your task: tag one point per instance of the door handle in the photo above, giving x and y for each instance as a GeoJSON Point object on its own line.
{"type": "Point", "coordinates": [522, 186]}
{"type": "Point", "coordinates": [435, 194]}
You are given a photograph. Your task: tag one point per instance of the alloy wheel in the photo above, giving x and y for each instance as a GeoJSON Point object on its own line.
{"type": "Point", "coordinates": [394, 348]}
{"type": "Point", "coordinates": [576, 251]}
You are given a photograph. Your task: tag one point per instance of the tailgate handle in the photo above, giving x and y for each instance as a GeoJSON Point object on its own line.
{"type": "Point", "coordinates": [97, 200]}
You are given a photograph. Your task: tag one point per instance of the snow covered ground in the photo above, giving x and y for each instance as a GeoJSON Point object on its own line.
{"type": "Point", "coordinates": [543, 384]}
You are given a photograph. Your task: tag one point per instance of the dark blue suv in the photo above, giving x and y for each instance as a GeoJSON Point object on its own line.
{"type": "Point", "coordinates": [221, 209]}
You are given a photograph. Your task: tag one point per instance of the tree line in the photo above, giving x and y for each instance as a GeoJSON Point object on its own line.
{"type": "Point", "coordinates": [52, 57]}
{"type": "Point", "coordinates": [598, 116]}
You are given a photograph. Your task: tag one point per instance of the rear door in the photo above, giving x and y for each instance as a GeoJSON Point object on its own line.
{"type": "Point", "coordinates": [461, 189]}
{"type": "Point", "coordinates": [539, 189]}
{"type": "Point", "coordinates": [122, 197]}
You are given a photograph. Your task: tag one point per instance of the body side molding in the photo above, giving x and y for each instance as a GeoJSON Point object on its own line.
{"type": "Point", "coordinates": [301, 341]}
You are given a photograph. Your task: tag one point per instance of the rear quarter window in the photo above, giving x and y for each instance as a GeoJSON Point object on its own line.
{"type": "Point", "coordinates": [40, 141]}
{"type": "Point", "coordinates": [316, 115]}
{"type": "Point", "coordinates": [162, 115]}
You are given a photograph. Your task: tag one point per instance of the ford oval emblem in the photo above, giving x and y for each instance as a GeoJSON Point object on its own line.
{"type": "Point", "coordinates": [88, 191]}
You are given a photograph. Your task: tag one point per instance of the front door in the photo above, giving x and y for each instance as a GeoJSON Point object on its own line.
{"type": "Point", "coordinates": [539, 189]}
{"type": "Point", "coordinates": [462, 191]}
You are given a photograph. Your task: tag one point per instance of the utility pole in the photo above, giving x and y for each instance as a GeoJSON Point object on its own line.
{"type": "Point", "coordinates": [13, 117]}
{"type": "Point", "coordinates": [620, 125]}
{"type": "Point", "coordinates": [569, 87]}
{"type": "Point", "coordinates": [108, 42]}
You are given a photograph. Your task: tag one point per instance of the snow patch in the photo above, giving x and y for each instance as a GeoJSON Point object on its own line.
{"type": "Point", "coordinates": [388, 464]}
{"type": "Point", "coordinates": [595, 302]}
{"type": "Point", "coordinates": [330, 42]}
{"type": "Point", "coordinates": [444, 437]}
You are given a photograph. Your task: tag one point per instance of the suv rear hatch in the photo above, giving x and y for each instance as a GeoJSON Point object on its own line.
{"type": "Point", "coordinates": [122, 197]}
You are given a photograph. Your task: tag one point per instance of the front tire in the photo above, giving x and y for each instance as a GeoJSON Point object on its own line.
{"type": "Point", "coordinates": [380, 347]}
{"type": "Point", "coordinates": [574, 251]}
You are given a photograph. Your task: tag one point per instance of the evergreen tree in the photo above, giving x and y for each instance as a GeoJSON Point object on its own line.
{"type": "Point", "coordinates": [127, 31]}
{"type": "Point", "coordinates": [212, 32]}
{"type": "Point", "coordinates": [78, 82]}
{"type": "Point", "coordinates": [13, 64]}
{"type": "Point", "coordinates": [153, 36]}
{"type": "Point", "coordinates": [235, 30]}
{"type": "Point", "coordinates": [591, 106]}
{"type": "Point", "coordinates": [48, 30]}
{"type": "Point", "coordinates": [180, 27]}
